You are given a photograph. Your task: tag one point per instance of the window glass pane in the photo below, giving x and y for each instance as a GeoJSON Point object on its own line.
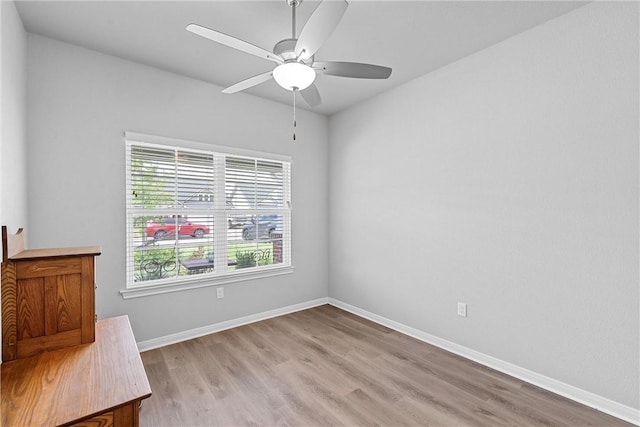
{"type": "Point", "coordinates": [196, 258]}
{"type": "Point", "coordinates": [269, 188]}
{"type": "Point", "coordinates": [194, 180]}
{"type": "Point", "coordinates": [253, 245]}
{"type": "Point", "coordinates": [239, 250]}
{"type": "Point", "coordinates": [250, 254]}
{"type": "Point", "coordinates": [240, 183]}
{"type": "Point", "coordinates": [152, 177]}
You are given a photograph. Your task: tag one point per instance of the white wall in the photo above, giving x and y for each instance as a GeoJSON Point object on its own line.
{"type": "Point", "coordinates": [509, 181]}
{"type": "Point", "coordinates": [13, 142]}
{"type": "Point", "coordinates": [81, 102]}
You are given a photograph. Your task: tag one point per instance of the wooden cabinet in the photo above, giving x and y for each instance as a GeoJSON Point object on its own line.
{"type": "Point", "coordinates": [48, 299]}
{"type": "Point", "coordinates": [60, 366]}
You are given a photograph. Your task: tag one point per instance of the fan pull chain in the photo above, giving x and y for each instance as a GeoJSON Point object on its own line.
{"type": "Point", "coordinates": [295, 89]}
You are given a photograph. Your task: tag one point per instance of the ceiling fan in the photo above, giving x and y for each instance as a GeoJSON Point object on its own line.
{"type": "Point", "coordinates": [297, 67]}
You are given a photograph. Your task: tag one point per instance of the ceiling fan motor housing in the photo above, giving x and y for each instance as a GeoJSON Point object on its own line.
{"type": "Point", "coordinates": [286, 49]}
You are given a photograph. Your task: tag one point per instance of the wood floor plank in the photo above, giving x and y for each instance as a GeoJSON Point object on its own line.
{"type": "Point", "coordinates": [328, 367]}
{"type": "Point", "coordinates": [218, 380]}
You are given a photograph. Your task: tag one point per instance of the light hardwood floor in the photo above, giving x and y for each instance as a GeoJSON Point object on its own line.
{"type": "Point", "coordinates": [324, 366]}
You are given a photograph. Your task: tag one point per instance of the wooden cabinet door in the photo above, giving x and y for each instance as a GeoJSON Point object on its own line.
{"type": "Point", "coordinates": [54, 304]}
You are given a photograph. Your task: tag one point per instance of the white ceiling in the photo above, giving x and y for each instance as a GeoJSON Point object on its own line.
{"type": "Point", "coordinates": [413, 37]}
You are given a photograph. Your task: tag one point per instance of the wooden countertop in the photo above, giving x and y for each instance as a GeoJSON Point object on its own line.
{"type": "Point", "coordinates": [75, 383]}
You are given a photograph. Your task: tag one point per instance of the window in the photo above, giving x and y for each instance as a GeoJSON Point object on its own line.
{"type": "Point", "coordinates": [195, 215]}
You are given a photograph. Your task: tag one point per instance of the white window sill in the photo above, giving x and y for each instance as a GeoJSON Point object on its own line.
{"type": "Point", "coordinates": [202, 282]}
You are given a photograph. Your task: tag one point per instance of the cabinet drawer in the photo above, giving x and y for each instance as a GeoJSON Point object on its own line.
{"type": "Point", "coordinates": [48, 267]}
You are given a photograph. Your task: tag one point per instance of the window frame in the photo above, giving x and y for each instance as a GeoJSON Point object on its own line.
{"type": "Point", "coordinates": [219, 213]}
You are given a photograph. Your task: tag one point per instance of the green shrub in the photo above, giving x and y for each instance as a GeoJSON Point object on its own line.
{"type": "Point", "coordinates": [245, 259]}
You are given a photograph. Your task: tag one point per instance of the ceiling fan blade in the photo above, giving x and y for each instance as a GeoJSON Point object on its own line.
{"type": "Point", "coordinates": [353, 69]}
{"type": "Point", "coordinates": [311, 96]}
{"type": "Point", "coordinates": [233, 42]}
{"type": "Point", "coordinates": [319, 27]}
{"type": "Point", "coordinates": [250, 82]}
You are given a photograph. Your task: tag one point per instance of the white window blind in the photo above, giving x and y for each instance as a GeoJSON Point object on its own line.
{"type": "Point", "coordinates": [195, 214]}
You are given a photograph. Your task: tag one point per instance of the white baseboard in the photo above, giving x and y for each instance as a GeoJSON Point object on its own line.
{"type": "Point", "coordinates": [600, 403]}
{"type": "Point", "coordinates": [227, 324]}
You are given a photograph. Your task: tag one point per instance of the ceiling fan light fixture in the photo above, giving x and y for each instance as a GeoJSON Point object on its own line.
{"type": "Point", "coordinates": [294, 75]}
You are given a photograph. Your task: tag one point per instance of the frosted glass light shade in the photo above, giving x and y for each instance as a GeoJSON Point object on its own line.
{"type": "Point", "coordinates": [294, 75]}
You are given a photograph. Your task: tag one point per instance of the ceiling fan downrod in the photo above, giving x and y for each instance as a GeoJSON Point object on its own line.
{"type": "Point", "coordinates": [294, 5]}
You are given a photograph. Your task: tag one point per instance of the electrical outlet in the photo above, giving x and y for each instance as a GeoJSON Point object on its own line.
{"type": "Point", "coordinates": [462, 309]}
{"type": "Point", "coordinates": [220, 292]}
